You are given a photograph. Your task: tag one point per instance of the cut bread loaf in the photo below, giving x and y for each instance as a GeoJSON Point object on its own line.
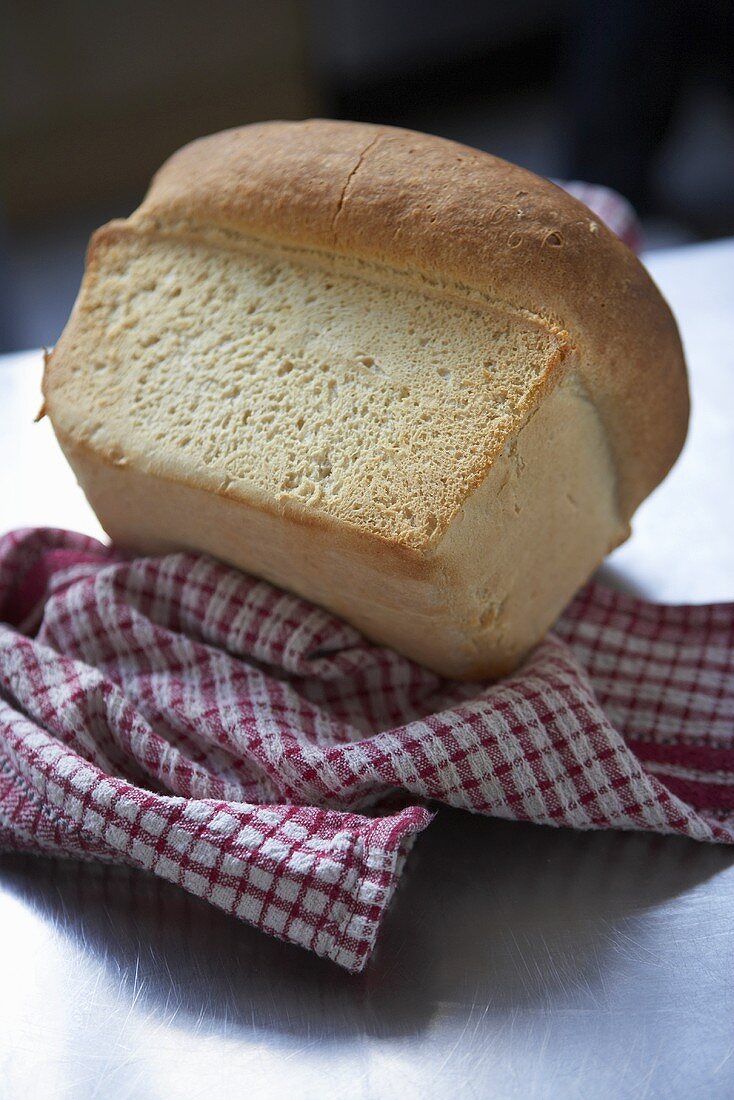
{"type": "Point", "coordinates": [402, 378]}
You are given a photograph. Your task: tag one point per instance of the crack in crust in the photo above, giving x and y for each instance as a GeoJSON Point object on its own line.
{"type": "Point", "coordinates": [350, 179]}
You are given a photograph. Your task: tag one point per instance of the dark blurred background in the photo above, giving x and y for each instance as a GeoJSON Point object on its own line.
{"type": "Point", "coordinates": [637, 94]}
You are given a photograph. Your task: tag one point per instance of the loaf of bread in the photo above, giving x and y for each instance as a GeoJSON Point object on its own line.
{"type": "Point", "coordinates": [402, 378]}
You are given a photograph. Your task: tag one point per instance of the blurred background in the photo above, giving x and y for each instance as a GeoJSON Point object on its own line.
{"type": "Point", "coordinates": [636, 94]}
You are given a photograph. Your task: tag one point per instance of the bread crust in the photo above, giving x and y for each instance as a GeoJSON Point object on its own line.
{"type": "Point", "coordinates": [422, 203]}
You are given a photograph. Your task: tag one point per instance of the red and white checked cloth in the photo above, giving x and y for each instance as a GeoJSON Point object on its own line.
{"type": "Point", "coordinates": [179, 716]}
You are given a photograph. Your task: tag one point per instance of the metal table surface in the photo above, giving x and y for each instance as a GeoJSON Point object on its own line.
{"type": "Point", "coordinates": [516, 960]}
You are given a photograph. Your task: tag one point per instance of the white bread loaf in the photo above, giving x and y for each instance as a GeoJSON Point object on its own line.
{"type": "Point", "coordinates": [402, 378]}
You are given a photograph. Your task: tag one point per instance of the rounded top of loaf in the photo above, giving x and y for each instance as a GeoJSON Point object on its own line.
{"type": "Point", "coordinates": [425, 204]}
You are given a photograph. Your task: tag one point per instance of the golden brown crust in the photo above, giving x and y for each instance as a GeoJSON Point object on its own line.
{"type": "Point", "coordinates": [421, 203]}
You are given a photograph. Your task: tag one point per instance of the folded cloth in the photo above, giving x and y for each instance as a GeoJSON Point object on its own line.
{"type": "Point", "coordinates": [178, 716]}
{"type": "Point", "coordinates": [175, 715]}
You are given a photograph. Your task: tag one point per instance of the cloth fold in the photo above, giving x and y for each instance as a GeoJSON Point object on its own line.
{"type": "Point", "coordinates": [178, 716]}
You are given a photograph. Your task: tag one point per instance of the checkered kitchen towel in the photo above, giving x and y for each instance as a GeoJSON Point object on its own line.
{"type": "Point", "coordinates": [179, 716]}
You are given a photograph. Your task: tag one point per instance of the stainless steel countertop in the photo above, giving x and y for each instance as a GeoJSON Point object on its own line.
{"type": "Point", "coordinates": [516, 960]}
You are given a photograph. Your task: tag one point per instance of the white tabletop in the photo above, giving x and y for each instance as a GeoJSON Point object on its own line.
{"type": "Point", "coordinates": [516, 961]}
